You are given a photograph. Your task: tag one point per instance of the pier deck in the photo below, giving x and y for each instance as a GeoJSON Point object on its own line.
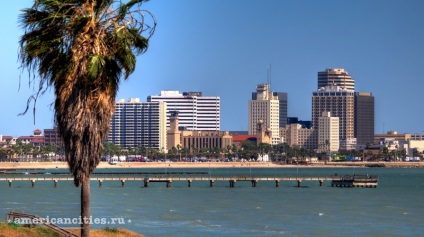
{"type": "Point", "coordinates": [338, 181]}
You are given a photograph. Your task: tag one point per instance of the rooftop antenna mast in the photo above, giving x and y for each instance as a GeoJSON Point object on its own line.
{"type": "Point", "coordinates": [269, 77]}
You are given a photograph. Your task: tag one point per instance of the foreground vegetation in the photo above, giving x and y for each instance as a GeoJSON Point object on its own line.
{"type": "Point", "coordinates": [22, 231]}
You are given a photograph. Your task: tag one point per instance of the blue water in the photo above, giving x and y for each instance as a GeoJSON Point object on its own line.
{"type": "Point", "coordinates": [395, 208]}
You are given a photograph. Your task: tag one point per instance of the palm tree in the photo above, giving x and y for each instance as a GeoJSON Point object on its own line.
{"type": "Point", "coordinates": [82, 48]}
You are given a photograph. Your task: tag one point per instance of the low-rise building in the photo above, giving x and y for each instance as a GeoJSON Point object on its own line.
{"type": "Point", "coordinates": [297, 135]}
{"type": "Point", "coordinates": [392, 134]}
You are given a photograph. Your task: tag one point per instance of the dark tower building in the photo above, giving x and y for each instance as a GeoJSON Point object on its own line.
{"type": "Point", "coordinates": [364, 118]}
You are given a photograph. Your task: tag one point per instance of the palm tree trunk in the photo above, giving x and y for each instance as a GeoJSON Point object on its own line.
{"type": "Point", "coordinates": [85, 207]}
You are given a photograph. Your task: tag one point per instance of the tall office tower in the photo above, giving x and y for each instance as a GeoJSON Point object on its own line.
{"type": "Point", "coordinates": [282, 98]}
{"type": "Point", "coordinates": [338, 101]}
{"type": "Point", "coordinates": [195, 111]}
{"type": "Point", "coordinates": [136, 123]}
{"type": "Point", "coordinates": [328, 132]}
{"type": "Point", "coordinates": [364, 118]}
{"type": "Point", "coordinates": [265, 107]}
{"type": "Point", "coordinates": [335, 77]}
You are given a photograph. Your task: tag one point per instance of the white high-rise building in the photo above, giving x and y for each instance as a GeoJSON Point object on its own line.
{"type": "Point", "coordinates": [328, 133]}
{"type": "Point", "coordinates": [195, 111]}
{"type": "Point", "coordinates": [136, 123]}
{"type": "Point", "coordinates": [266, 108]}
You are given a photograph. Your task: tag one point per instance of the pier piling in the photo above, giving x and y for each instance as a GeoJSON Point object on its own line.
{"type": "Point", "coordinates": [211, 183]}
{"type": "Point", "coordinates": [232, 183]}
{"type": "Point", "coordinates": [146, 183]}
{"type": "Point", "coordinates": [277, 183]}
{"type": "Point", "coordinates": [189, 183]}
{"type": "Point", "coordinates": [168, 183]}
{"type": "Point", "coordinates": [320, 183]}
{"type": "Point", "coordinates": [254, 183]}
{"type": "Point", "coordinates": [299, 183]}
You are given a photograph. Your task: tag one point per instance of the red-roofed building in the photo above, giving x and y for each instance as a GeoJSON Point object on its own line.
{"type": "Point", "coordinates": [7, 140]}
{"type": "Point", "coordinates": [37, 139]}
{"type": "Point", "coordinates": [238, 139]}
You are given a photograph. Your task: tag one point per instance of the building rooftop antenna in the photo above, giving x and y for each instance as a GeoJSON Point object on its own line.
{"type": "Point", "coordinates": [269, 77]}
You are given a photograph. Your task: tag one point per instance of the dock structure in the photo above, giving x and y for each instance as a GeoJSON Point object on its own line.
{"type": "Point", "coordinates": [338, 181]}
{"type": "Point", "coordinates": [368, 181]}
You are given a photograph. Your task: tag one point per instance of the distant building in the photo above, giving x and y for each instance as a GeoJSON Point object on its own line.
{"type": "Point", "coordinates": [417, 136]}
{"type": "Point", "coordinates": [265, 108]}
{"type": "Point", "coordinates": [195, 140]}
{"type": "Point", "coordinates": [335, 77]}
{"type": "Point", "coordinates": [263, 134]}
{"type": "Point", "coordinates": [36, 140]}
{"type": "Point", "coordinates": [340, 103]}
{"type": "Point", "coordinates": [295, 120]}
{"type": "Point", "coordinates": [195, 111]}
{"type": "Point", "coordinates": [173, 135]}
{"type": "Point", "coordinates": [348, 144]}
{"type": "Point", "coordinates": [136, 123]}
{"type": "Point", "coordinates": [328, 133]}
{"type": "Point", "coordinates": [52, 138]}
{"type": "Point", "coordinates": [296, 135]}
{"type": "Point", "coordinates": [364, 118]}
{"type": "Point", "coordinates": [392, 135]}
{"type": "Point", "coordinates": [282, 98]}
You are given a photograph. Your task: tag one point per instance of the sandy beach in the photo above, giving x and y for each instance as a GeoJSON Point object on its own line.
{"type": "Point", "coordinates": [105, 165]}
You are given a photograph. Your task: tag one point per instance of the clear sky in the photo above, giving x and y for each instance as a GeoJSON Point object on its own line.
{"type": "Point", "coordinates": [224, 48]}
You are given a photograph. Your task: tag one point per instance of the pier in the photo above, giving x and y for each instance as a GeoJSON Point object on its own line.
{"type": "Point", "coordinates": [368, 181]}
{"type": "Point", "coordinates": [168, 179]}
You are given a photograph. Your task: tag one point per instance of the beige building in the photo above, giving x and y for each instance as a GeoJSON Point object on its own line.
{"type": "Point", "coordinates": [173, 134]}
{"type": "Point", "coordinates": [195, 139]}
{"type": "Point", "coordinates": [340, 103]}
{"type": "Point", "coordinates": [264, 135]}
{"type": "Point", "coordinates": [205, 139]}
{"type": "Point", "coordinates": [392, 134]}
{"type": "Point", "coordinates": [264, 108]}
{"type": "Point", "coordinates": [295, 135]}
{"type": "Point", "coordinates": [328, 133]}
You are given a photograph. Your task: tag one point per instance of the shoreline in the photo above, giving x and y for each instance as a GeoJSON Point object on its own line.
{"type": "Point", "coordinates": [190, 165]}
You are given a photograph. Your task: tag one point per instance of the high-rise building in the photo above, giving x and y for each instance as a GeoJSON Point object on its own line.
{"type": "Point", "coordinates": [136, 123]}
{"type": "Point", "coordinates": [266, 108]}
{"type": "Point", "coordinates": [340, 103]}
{"type": "Point", "coordinates": [195, 111]}
{"type": "Point", "coordinates": [335, 77]}
{"type": "Point", "coordinates": [328, 133]}
{"type": "Point", "coordinates": [282, 98]}
{"type": "Point", "coordinates": [364, 118]}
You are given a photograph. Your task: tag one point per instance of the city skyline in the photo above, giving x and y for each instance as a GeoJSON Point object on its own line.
{"type": "Point", "coordinates": [226, 48]}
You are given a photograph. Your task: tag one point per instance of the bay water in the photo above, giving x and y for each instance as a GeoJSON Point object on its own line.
{"type": "Point", "coordinates": [394, 208]}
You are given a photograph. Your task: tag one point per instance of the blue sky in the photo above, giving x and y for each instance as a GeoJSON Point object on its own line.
{"type": "Point", "coordinates": [224, 48]}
